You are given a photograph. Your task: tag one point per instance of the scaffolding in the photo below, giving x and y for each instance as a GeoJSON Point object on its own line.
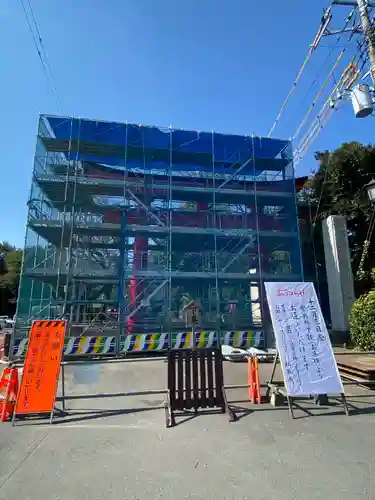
{"type": "Point", "coordinates": [127, 224]}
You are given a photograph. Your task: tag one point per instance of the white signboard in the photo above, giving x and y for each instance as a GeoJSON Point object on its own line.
{"type": "Point", "coordinates": [302, 340]}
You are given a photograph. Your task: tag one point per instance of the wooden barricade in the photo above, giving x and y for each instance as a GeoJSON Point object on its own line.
{"type": "Point", "coordinates": [195, 380]}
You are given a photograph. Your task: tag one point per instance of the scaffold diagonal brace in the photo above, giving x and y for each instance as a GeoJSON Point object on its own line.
{"type": "Point", "coordinates": [238, 254]}
{"type": "Point", "coordinates": [233, 176]}
{"type": "Point", "coordinates": [147, 300]}
{"type": "Point", "coordinates": [145, 207]}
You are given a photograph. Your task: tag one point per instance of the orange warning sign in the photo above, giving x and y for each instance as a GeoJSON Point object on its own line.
{"type": "Point", "coordinates": [41, 369]}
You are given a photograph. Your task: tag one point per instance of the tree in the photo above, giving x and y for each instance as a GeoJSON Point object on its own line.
{"type": "Point", "coordinates": [10, 270]}
{"type": "Point", "coordinates": [336, 188]}
{"type": "Point", "coordinates": [362, 321]}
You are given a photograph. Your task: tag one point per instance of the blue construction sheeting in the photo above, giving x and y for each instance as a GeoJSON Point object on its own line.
{"type": "Point", "coordinates": [192, 150]}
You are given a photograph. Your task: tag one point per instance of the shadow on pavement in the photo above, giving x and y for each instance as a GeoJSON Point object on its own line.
{"type": "Point", "coordinates": [69, 417]}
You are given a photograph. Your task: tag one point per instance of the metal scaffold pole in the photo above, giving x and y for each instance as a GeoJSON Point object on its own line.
{"type": "Point", "coordinates": [169, 239]}
{"type": "Point", "coordinates": [88, 248]}
{"type": "Point", "coordinates": [214, 208]}
{"type": "Point", "coordinates": [121, 285]}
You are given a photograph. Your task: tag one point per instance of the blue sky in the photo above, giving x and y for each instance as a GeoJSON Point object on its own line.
{"type": "Point", "coordinates": [196, 64]}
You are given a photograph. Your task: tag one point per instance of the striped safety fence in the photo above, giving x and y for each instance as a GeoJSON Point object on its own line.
{"type": "Point", "coordinates": [149, 342]}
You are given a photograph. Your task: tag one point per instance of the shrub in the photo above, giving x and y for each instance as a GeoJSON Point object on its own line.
{"type": "Point", "coordinates": [362, 322]}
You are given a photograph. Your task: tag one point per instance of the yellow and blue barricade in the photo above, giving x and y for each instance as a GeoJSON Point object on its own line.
{"type": "Point", "coordinates": [149, 342]}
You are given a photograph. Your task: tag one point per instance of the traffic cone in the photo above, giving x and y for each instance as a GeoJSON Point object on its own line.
{"type": "Point", "coordinates": [8, 385]}
{"type": "Point", "coordinates": [253, 379]}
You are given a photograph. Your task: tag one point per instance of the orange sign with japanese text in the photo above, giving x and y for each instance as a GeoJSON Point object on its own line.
{"type": "Point", "coordinates": [42, 367]}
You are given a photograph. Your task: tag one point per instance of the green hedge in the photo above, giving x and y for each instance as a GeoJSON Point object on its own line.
{"type": "Point", "coordinates": [362, 322]}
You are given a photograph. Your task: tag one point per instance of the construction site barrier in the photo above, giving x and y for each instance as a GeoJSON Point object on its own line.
{"type": "Point", "coordinates": [149, 342]}
{"type": "Point", "coordinates": [205, 394]}
{"type": "Point", "coordinates": [195, 380]}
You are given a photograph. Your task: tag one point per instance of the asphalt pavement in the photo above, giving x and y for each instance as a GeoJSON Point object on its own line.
{"type": "Point", "coordinates": [118, 447]}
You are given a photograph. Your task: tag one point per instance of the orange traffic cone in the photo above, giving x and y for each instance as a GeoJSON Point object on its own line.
{"type": "Point", "coordinates": [9, 385]}
{"type": "Point", "coordinates": [253, 379]}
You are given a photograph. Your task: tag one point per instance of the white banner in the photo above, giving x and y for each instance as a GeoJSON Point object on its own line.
{"type": "Point", "coordinates": [305, 349]}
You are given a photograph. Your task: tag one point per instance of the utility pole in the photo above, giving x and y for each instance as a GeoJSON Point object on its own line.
{"type": "Point", "coordinates": [368, 33]}
{"type": "Point", "coordinates": [366, 26]}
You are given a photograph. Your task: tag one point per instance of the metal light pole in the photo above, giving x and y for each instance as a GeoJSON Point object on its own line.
{"type": "Point", "coordinates": [370, 190]}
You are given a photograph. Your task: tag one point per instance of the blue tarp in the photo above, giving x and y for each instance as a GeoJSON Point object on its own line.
{"type": "Point", "coordinates": [227, 149]}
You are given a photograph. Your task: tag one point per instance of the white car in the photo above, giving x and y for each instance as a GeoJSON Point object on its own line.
{"type": "Point", "coordinates": [6, 322]}
{"type": "Point", "coordinates": [238, 354]}
{"type": "Point", "coordinates": [3, 321]}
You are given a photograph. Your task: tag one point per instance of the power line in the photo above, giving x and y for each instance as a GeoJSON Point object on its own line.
{"type": "Point", "coordinates": [359, 57]}
{"type": "Point", "coordinates": [40, 48]}
{"type": "Point", "coordinates": [324, 23]}
{"type": "Point", "coordinates": [44, 52]}
{"type": "Point", "coordinates": [311, 86]}
{"type": "Point", "coordinates": [341, 88]}
{"type": "Point", "coordinates": [350, 18]}
{"type": "Point", "coordinates": [347, 79]}
{"type": "Point", "coordinates": [320, 92]}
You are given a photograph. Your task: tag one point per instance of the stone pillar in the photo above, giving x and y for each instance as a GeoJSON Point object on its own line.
{"type": "Point", "coordinates": [339, 271]}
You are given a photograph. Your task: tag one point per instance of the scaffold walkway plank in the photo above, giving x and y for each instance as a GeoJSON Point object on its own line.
{"type": "Point", "coordinates": [86, 187]}
{"type": "Point", "coordinates": [107, 228]}
{"type": "Point", "coordinates": [142, 273]}
{"type": "Point", "coordinates": [98, 149]}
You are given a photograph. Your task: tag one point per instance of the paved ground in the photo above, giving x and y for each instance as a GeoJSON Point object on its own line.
{"type": "Point", "coordinates": [118, 448]}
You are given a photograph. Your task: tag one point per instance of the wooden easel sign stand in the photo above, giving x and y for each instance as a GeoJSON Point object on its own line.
{"type": "Point", "coordinates": [303, 344]}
